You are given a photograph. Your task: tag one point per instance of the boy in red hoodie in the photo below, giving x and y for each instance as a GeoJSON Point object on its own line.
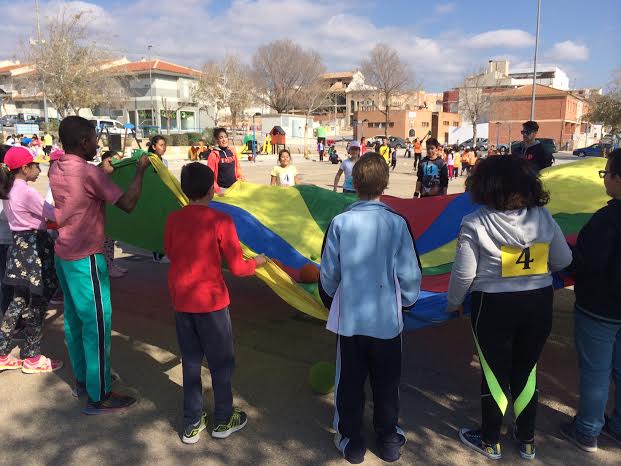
{"type": "Point", "coordinates": [201, 299]}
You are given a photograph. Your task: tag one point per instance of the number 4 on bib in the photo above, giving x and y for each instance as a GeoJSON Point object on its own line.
{"type": "Point", "coordinates": [517, 262]}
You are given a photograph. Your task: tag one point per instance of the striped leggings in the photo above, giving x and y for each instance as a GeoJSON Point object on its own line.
{"type": "Point", "coordinates": [510, 331]}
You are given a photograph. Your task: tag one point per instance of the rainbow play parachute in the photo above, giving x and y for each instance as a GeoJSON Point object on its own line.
{"type": "Point", "coordinates": [288, 225]}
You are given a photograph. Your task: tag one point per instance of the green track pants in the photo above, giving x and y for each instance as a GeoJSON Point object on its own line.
{"type": "Point", "coordinates": [88, 311]}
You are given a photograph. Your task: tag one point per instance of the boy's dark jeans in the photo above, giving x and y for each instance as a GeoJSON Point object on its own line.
{"type": "Point", "coordinates": [206, 335]}
{"type": "Point", "coordinates": [357, 358]}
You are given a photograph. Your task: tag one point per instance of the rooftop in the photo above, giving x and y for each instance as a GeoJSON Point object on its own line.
{"type": "Point", "coordinates": [155, 65]}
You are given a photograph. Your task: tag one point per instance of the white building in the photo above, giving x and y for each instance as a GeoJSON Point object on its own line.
{"type": "Point", "coordinates": [546, 75]}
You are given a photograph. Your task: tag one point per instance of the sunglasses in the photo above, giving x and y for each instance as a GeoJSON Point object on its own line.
{"type": "Point", "coordinates": [526, 132]}
{"type": "Point", "coordinates": [603, 173]}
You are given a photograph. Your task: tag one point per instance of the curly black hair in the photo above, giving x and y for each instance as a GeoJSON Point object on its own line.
{"type": "Point", "coordinates": [506, 183]}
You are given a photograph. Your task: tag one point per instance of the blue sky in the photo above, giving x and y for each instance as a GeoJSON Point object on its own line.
{"type": "Point", "coordinates": [440, 40]}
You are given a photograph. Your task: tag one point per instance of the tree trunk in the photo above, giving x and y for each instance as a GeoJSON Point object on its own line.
{"type": "Point", "coordinates": [305, 134]}
{"type": "Point", "coordinates": [387, 114]}
{"type": "Point", "coordinates": [474, 134]}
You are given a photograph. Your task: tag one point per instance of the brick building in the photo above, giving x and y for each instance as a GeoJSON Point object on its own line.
{"type": "Point", "coordinates": [408, 124]}
{"type": "Point", "coordinates": [559, 115]}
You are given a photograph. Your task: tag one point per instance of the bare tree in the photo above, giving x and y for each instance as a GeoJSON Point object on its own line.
{"type": "Point", "coordinates": [71, 65]}
{"type": "Point", "coordinates": [310, 98]}
{"type": "Point", "coordinates": [238, 82]}
{"type": "Point", "coordinates": [225, 85]}
{"type": "Point", "coordinates": [169, 111]}
{"type": "Point", "coordinates": [389, 75]}
{"type": "Point", "coordinates": [282, 70]}
{"type": "Point", "coordinates": [606, 108]}
{"type": "Point", "coordinates": [474, 99]}
{"type": "Point", "coordinates": [209, 90]}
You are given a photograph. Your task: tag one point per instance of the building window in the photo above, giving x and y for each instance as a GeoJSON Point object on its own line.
{"type": "Point", "coordinates": [445, 123]}
{"type": "Point", "coordinates": [391, 125]}
{"type": "Point", "coordinates": [456, 123]}
{"type": "Point", "coordinates": [425, 124]}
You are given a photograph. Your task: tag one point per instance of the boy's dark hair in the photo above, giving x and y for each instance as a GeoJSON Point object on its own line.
{"type": "Point", "coordinates": [506, 183]}
{"type": "Point", "coordinates": [108, 154]}
{"type": "Point", "coordinates": [370, 175]}
{"type": "Point", "coordinates": [216, 133]}
{"type": "Point", "coordinates": [531, 126]}
{"type": "Point", "coordinates": [73, 130]}
{"type": "Point", "coordinates": [196, 180]}
{"type": "Point", "coordinates": [615, 162]}
{"type": "Point", "coordinates": [433, 142]}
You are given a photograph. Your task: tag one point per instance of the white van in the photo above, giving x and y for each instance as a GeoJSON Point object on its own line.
{"type": "Point", "coordinates": [113, 126]}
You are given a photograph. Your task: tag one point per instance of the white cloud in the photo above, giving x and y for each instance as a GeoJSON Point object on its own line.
{"type": "Point", "coordinates": [509, 38]}
{"type": "Point", "coordinates": [444, 8]}
{"type": "Point", "coordinates": [568, 51]}
{"type": "Point", "coordinates": [191, 32]}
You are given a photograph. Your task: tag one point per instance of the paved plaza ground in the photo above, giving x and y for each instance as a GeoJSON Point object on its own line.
{"type": "Point", "coordinates": [40, 422]}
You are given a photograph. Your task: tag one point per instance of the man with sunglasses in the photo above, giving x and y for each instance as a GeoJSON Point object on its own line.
{"type": "Point", "coordinates": [597, 264]}
{"type": "Point", "coordinates": [531, 149]}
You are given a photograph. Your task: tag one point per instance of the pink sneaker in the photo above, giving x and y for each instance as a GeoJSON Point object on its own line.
{"type": "Point", "coordinates": [9, 362]}
{"type": "Point", "coordinates": [43, 365]}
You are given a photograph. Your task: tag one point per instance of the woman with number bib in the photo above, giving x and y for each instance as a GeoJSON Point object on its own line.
{"type": "Point", "coordinates": [506, 254]}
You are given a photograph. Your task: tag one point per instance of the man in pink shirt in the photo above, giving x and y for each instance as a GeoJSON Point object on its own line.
{"type": "Point", "coordinates": [81, 191]}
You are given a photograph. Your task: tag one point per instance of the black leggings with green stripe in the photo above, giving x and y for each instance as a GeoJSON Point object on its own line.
{"type": "Point", "coordinates": [510, 330]}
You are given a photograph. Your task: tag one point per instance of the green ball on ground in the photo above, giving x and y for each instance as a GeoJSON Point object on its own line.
{"type": "Point", "coordinates": [321, 377]}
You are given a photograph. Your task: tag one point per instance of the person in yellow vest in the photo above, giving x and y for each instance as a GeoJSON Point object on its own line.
{"type": "Point", "coordinates": [384, 150]}
{"type": "Point", "coordinates": [48, 142]}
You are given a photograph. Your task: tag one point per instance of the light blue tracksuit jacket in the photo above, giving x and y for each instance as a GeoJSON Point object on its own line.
{"type": "Point", "coordinates": [369, 271]}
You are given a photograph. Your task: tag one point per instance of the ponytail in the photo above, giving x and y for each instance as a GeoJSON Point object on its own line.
{"type": "Point", "coordinates": [7, 178]}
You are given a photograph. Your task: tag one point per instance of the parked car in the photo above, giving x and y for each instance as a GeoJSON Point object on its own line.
{"type": "Point", "coordinates": [8, 120]}
{"type": "Point", "coordinates": [480, 145]}
{"type": "Point", "coordinates": [394, 141]}
{"type": "Point", "coordinates": [113, 126]}
{"type": "Point", "coordinates": [549, 144]}
{"type": "Point", "coordinates": [594, 150]}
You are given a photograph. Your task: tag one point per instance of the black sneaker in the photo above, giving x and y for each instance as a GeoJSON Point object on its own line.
{"type": "Point", "coordinates": [608, 432]}
{"type": "Point", "coordinates": [391, 451]}
{"type": "Point", "coordinates": [473, 439]}
{"type": "Point", "coordinates": [192, 433]}
{"type": "Point", "coordinates": [79, 389]}
{"type": "Point", "coordinates": [584, 442]}
{"type": "Point", "coordinates": [353, 452]}
{"type": "Point", "coordinates": [237, 421]}
{"type": "Point", "coordinates": [527, 449]}
{"type": "Point", "coordinates": [112, 403]}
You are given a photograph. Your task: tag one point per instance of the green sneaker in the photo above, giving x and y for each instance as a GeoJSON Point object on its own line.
{"type": "Point", "coordinates": [192, 433]}
{"type": "Point", "coordinates": [237, 422]}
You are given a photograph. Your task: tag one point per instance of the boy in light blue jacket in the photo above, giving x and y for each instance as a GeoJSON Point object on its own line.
{"type": "Point", "coordinates": [370, 273]}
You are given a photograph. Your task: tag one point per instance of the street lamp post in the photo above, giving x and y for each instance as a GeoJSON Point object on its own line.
{"type": "Point", "coordinates": [532, 101]}
{"type": "Point", "coordinates": [254, 137]}
{"type": "Point", "coordinates": [149, 47]}
{"type": "Point", "coordinates": [39, 43]}
{"type": "Point", "coordinates": [497, 133]}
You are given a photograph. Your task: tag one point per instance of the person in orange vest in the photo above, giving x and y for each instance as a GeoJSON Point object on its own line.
{"type": "Point", "coordinates": [418, 153]}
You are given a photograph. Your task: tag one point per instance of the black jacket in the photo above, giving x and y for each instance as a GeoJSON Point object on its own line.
{"type": "Point", "coordinates": [538, 156]}
{"type": "Point", "coordinates": [597, 262]}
